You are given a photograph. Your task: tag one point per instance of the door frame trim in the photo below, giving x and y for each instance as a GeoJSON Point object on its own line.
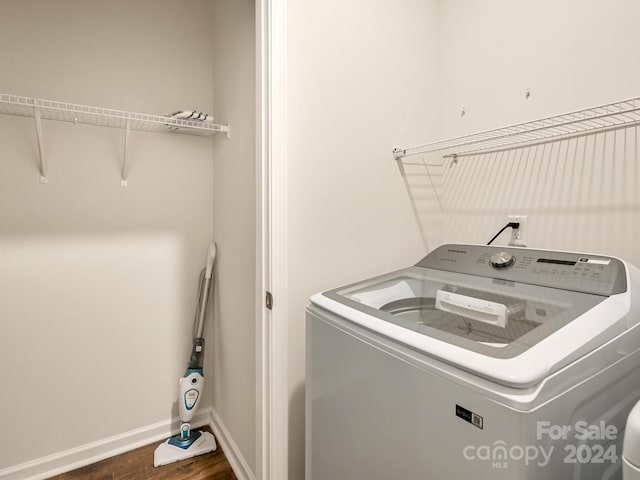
{"type": "Point", "coordinates": [272, 330]}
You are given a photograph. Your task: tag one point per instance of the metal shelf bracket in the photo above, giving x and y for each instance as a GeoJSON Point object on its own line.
{"type": "Point", "coordinates": [125, 159]}
{"type": "Point", "coordinates": [43, 165]}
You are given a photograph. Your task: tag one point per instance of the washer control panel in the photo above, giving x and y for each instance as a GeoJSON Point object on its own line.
{"type": "Point", "coordinates": [594, 274]}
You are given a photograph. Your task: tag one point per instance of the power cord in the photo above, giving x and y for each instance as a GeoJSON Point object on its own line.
{"type": "Point", "coordinates": [514, 225]}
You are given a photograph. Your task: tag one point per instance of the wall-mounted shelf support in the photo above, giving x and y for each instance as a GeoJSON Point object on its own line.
{"type": "Point", "coordinates": [41, 109]}
{"type": "Point", "coordinates": [612, 116]}
{"type": "Point", "coordinates": [125, 158]}
{"type": "Point", "coordinates": [43, 165]}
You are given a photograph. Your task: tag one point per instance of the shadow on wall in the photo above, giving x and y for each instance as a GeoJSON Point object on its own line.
{"type": "Point", "coordinates": [424, 180]}
{"type": "Point", "coordinates": [579, 194]}
{"type": "Point", "coordinates": [297, 409]}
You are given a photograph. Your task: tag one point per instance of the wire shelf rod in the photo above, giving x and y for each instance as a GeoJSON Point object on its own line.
{"type": "Point", "coordinates": [86, 114]}
{"type": "Point", "coordinates": [518, 144]}
{"type": "Point", "coordinates": [585, 120]}
{"type": "Point", "coordinates": [41, 109]}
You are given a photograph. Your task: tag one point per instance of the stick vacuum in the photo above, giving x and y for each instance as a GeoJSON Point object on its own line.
{"type": "Point", "coordinates": [189, 443]}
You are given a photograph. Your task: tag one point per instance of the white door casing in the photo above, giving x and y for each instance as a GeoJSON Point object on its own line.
{"type": "Point", "coordinates": [271, 332]}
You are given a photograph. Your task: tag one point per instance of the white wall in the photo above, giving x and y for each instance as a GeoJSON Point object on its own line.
{"type": "Point", "coordinates": [233, 347]}
{"type": "Point", "coordinates": [361, 80]}
{"type": "Point", "coordinates": [580, 194]}
{"type": "Point", "coordinates": [98, 282]}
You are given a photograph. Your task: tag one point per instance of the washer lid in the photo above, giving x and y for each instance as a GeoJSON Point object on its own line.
{"type": "Point", "coordinates": [512, 332]}
{"type": "Point", "coordinates": [491, 317]}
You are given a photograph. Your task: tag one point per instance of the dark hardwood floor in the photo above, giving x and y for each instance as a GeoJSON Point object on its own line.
{"type": "Point", "coordinates": [138, 465]}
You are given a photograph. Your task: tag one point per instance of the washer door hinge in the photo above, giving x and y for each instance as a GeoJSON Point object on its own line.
{"type": "Point", "coordinates": [269, 300]}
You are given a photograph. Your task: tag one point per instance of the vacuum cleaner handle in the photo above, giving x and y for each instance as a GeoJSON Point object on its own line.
{"type": "Point", "coordinates": [204, 291]}
{"type": "Point", "coordinates": [211, 257]}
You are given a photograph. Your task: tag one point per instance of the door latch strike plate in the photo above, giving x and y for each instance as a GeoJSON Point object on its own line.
{"type": "Point", "coordinates": [269, 300]}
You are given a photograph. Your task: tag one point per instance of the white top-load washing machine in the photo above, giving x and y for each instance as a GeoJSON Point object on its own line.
{"type": "Point", "coordinates": [479, 362]}
{"type": "Point", "coordinates": [631, 447]}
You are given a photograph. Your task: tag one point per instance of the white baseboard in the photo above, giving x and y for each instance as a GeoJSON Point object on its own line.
{"type": "Point", "coordinates": [89, 453]}
{"type": "Point", "coordinates": [232, 452]}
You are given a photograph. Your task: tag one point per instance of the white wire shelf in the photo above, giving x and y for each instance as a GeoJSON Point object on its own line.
{"type": "Point", "coordinates": [625, 113]}
{"type": "Point", "coordinates": [104, 117]}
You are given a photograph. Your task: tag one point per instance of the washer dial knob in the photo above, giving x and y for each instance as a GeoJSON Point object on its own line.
{"type": "Point", "coordinates": [502, 260]}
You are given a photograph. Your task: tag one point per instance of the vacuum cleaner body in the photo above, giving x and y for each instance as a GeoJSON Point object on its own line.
{"type": "Point", "coordinates": [188, 443]}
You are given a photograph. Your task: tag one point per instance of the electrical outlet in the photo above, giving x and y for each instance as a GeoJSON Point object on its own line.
{"type": "Point", "coordinates": [518, 235]}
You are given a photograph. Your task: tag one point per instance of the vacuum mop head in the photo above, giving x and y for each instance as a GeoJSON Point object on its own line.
{"type": "Point", "coordinates": [172, 450]}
